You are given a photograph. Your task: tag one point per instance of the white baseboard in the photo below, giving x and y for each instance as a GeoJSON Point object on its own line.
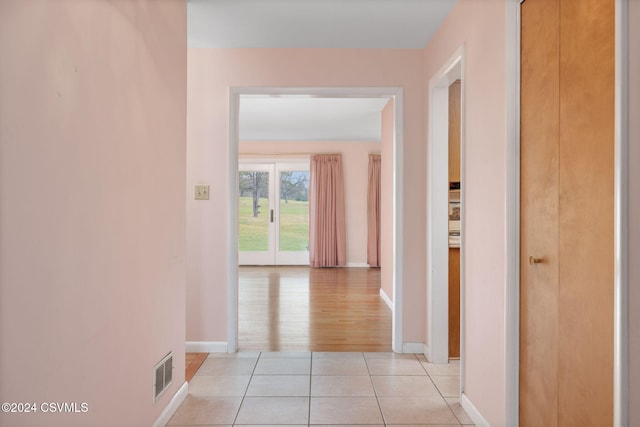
{"type": "Point", "coordinates": [206, 347]}
{"type": "Point", "coordinates": [473, 412]}
{"type": "Point", "coordinates": [357, 264]}
{"type": "Point", "coordinates": [172, 406]}
{"type": "Point", "coordinates": [386, 299]}
{"type": "Point", "coordinates": [412, 347]}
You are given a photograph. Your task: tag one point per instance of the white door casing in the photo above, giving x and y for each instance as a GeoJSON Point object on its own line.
{"type": "Point", "coordinates": [395, 93]}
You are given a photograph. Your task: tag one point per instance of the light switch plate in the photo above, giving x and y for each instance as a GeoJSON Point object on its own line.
{"type": "Point", "coordinates": [202, 192]}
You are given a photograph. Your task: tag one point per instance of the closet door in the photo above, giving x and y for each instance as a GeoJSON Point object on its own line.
{"type": "Point", "coordinates": [539, 148]}
{"type": "Point", "coordinates": [567, 147]}
{"type": "Point", "coordinates": [586, 264]}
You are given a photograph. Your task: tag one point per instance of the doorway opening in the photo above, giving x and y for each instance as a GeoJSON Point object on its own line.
{"type": "Point", "coordinates": [445, 201]}
{"type": "Point", "coordinates": [233, 209]}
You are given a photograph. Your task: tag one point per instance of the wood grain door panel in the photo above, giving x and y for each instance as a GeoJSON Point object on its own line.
{"type": "Point", "coordinates": [540, 133]}
{"type": "Point", "coordinates": [567, 208]}
{"type": "Point", "coordinates": [455, 100]}
{"type": "Point", "coordinates": [454, 302]}
{"type": "Point", "coordinates": [586, 212]}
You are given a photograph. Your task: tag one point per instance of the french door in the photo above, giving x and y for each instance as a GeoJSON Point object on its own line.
{"type": "Point", "coordinates": [273, 214]}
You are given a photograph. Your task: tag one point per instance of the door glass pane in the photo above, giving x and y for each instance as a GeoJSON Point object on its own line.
{"type": "Point", "coordinates": [294, 211]}
{"type": "Point", "coordinates": [253, 212]}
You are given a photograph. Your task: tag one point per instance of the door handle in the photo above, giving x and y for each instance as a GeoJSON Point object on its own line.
{"type": "Point", "coordinates": [533, 260]}
{"type": "Point", "coordinates": [271, 215]}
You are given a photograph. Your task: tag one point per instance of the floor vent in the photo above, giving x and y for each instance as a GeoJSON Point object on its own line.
{"type": "Point", "coordinates": [163, 376]}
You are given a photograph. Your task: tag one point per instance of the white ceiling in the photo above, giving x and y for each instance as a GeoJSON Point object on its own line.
{"type": "Point", "coordinates": [300, 118]}
{"type": "Point", "coordinates": [314, 23]}
{"type": "Point", "coordinates": [390, 24]}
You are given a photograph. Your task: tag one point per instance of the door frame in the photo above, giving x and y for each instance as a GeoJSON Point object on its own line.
{"type": "Point", "coordinates": [395, 93]}
{"type": "Point", "coordinates": [437, 346]}
{"type": "Point", "coordinates": [621, 203]}
{"type": "Point", "coordinates": [621, 219]}
{"type": "Point", "coordinates": [512, 244]}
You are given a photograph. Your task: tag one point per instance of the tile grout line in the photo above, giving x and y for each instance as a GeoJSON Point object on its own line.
{"type": "Point", "coordinates": [310, 385]}
{"type": "Point", "coordinates": [235, 419]}
{"type": "Point", "coordinates": [437, 388]}
{"type": "Point", "coordinates": [369, 375]}
{"type": "Point", "coordinates": [375, 392]}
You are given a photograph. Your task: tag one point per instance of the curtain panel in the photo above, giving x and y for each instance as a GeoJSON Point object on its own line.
{"type": "Point", "coordinates": [373, 211]}
{"type": "Point", "coordinates": [327, 229]}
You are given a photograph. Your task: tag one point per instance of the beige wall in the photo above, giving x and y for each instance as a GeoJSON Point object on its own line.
{"type": "Point", "coordinates": [480, 27]}
{"type": "Point", "coordinates": [92, 217]}
{"type": "Point", "coordinates": [355, 159]}
{"type": "Point", "coordinates": [634, 211]}
{"type": "Point", "coordinates": [211, 72]}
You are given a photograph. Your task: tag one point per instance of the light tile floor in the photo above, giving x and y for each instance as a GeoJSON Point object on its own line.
{"type": "Point", "coordinates": [322, 389]}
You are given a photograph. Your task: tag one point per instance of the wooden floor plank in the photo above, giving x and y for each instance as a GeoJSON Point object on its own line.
{"type": "Point", "coordinates": [192, 363]}
{"type": "Point", "coordinates": [310, 309]}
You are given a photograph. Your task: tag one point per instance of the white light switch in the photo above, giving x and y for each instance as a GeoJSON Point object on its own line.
{"type": "Point", "coordinates": [202, 192]}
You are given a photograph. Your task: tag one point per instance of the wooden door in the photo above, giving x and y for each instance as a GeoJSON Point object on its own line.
{"type": "Point", "coordinates": [567, 164]}
{"type": "Point", "coordinates": [454, 253]}
{"type": "Point", "coordinates": [586, 223]}
{"type": "Point", "coordinates": [539, 147]}
{"type": "Point", "coordinates": [454, 303]}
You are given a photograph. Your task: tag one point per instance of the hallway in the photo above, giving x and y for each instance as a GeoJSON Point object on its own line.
{"type": "Point", "coordinates": [305, 389]}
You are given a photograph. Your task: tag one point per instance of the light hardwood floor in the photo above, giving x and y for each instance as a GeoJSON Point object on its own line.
{"type": "Point", "coordinates": [192, 363]}
{"type": "Point", "coordinates": [310, 309]}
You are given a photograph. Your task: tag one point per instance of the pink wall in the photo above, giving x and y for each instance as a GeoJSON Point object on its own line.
{"type": "Point", "coordinates": [92, 217]}
{"type": "Point", "coordinates": [386, 199]}
{"type": "Point", "coordinates": [210, 74]}
{"type": "Point", "coordinates": [480, 27]}
{"type": "Point", "coordinates": [634, 210]}
{"type": "Point", "coordinates": [355, 160]}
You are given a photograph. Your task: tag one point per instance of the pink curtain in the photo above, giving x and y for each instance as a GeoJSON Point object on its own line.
{"type": "Point", "coordinates": [373, 211]}
{"type": "Point", "coordinates": [327, 233]}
